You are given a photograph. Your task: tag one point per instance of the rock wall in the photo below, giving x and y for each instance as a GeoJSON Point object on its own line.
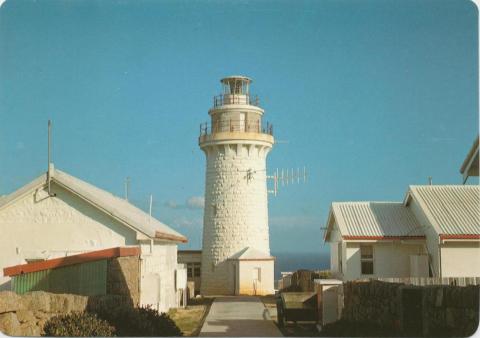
{"type": "Point", "coordinates": [450, 310]}
{"type": "Point", "coordinates": [123, 277]}
{"type": "Point", "coordinates": [25, 315]}
{"type": "Point", "coordinates": [373, 302]}
{"type": "Point", "coordinates": [442, 309]}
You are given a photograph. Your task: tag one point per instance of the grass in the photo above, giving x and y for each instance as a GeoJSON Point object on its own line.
{"type": "Point", "coordinates": [190, 319]}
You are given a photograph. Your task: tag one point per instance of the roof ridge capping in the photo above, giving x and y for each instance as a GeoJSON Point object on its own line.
{"type": "Point", "coordinates": [113, 206]}
{"type": "Point", "coordinates": [375, 220]}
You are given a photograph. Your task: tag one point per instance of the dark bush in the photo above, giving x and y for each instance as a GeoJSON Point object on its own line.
{"type": "Point", "coordinates": [139, 322]}
{"type": "Point", "coordinates": [78, 324]}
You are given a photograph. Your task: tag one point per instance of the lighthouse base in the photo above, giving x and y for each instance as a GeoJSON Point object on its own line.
{"type": "Point", "coordinates": [249, 272]}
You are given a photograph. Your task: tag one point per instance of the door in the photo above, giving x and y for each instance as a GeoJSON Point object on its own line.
{"type": "Point", "coordinates": [242, 122]}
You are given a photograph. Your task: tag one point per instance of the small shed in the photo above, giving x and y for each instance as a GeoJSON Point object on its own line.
{"type": "Point", "coordinates": [252, 272]}
{"type": "Point", "coordinates": [109, 271]}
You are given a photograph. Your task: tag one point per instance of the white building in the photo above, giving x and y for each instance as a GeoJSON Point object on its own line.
{"type": "Point", "coordinates": [236, 144]}
{"type": "Point", "coordinates": [192, 259]}
{"type": "Point", "coordinates": [77, 217]}
{"type": "Point", "coordinates": [434, 232]}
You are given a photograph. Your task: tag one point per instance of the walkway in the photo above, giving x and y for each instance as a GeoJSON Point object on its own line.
{"type": "Point", "coordinates": [238, 317]}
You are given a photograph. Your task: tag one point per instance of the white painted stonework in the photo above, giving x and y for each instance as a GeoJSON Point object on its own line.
{"type": "Point", "coordinates": [34, 225]}
{"type": "Point", "coordinates": [236, 214]}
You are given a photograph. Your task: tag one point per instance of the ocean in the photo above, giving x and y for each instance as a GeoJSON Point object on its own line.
{"type": "Point", "coordinates": [293, 261]}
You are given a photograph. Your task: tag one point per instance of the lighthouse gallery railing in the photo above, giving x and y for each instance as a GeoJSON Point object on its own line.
{"type": "Point", "coordinates": [236, 125]}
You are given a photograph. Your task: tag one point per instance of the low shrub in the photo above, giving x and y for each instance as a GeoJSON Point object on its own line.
{"type": "Point", "coordinates": [78, 324]}
{"type": "Point", "coordinates": [139, 322]}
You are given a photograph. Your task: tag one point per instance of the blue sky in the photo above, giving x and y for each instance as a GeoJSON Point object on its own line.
{"type": "Point", "coordinates": [370, 96]}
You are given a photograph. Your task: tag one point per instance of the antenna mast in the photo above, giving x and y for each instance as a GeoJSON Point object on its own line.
{"type": "Point", "coordinates": [151, 202]}
{"type": "Point", "coordinates": [287, 176]}
{"type": "Point", "coordinates": [49, 173]}
{"type": "Point", "coordinates": [127, 187]}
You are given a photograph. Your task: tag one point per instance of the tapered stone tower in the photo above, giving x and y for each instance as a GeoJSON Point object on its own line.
{"type": "Point", "coordinates": [236, 252]}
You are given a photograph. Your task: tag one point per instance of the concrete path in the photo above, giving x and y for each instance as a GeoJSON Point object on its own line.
{"type": "Point", "coordinates": [238, 316]}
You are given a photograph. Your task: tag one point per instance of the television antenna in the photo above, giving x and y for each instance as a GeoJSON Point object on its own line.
{"type": "Point", "coordinates": [127, 187]}
{"type": "Point", "coordinates": [284, 177]}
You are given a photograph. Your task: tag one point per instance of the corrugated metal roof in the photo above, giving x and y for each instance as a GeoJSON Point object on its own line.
{"type": "Point", "coordinates": [452, 209]}
{"type": "Point", "coordinates": [105, 201]}
{"type": "Point", "coordinates": [375, 219]}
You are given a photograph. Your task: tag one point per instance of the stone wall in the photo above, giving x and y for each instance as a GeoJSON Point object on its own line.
{"type": "Point", "coordinates": [234, 218]}
{"type": "Point", "coordinates": [450, 310]}
{"type": "Point", "coordinates": [373, 302]}
{"type": "Point", "coordinates": [442, 309]}
{"type": "Point", "coordinates": [25, 315]}
{"type": "Point", "coordinates": [123, 277]}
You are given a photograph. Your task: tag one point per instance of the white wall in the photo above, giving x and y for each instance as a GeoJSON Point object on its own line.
{"type": "Point", "coordinates": [247, 285]}
{"type": "Point", "coordinates": [157, 285]}
{"type": "Point", "coordinates": [236, 214]}
{"type": "Point", "coordinates": [334, 239]}
{"type": "Point", "coordinates": [460, 259]}
{"type": "Point", "coordinates": [390, 259]}
{"type": "Point", "coordinates": [431, 235]}
{"type": "Point", "coordinates": [38, 226]}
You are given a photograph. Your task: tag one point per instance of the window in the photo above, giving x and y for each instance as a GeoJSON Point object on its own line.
{"type": "Point", "coordinates": [189, 270]}
{"type": "Point", "coordinates": [196, 269]}
{"type": "Point", "coordinates": [366, 259]}
{"type": "Point", "coordinates": [193, 270]}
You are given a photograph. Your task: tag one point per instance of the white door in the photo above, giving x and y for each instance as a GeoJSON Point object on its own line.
{"type": "Point", "coordinates": [242, 122]}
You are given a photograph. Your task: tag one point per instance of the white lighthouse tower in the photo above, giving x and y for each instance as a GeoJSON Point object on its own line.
{"type": "Point", "coordinates": [236, 251]}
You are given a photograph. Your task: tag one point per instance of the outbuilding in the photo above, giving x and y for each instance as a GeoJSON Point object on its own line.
{"type": "Point", "coordinates": [58, 215]}
{"type": "Point", "coordinates": [435, 232]}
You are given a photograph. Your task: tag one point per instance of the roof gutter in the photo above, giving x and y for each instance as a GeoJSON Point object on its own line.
{"type": "Point", "coordinates": [459, 236]}
{"type": "Point", "coordinates": [383, 238]}
{"type": "Point", "coordinates": [70, 260]}
{"type": "Point", "coordinates": [161, 235]}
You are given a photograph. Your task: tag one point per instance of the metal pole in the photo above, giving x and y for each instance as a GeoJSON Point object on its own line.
{"type": "Point", "coordinates": [49, 146]}
{"type": "Point", "coordinates": [151, 201]}
{"type": "Point", "coordinates": [127, 187]}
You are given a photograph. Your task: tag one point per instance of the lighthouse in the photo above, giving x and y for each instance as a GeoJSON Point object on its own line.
{"type": "Point", "coordinates": [236, 256]}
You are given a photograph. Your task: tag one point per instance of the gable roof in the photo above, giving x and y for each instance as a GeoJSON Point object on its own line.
{"type": "Point", "coordinates": [106, 202]}
{"type": "Point", "coordinates": [249, 254]}
{"type": "Point", "coordinates": [451, 209]}
{"type": "Point", "coordinates": [373, 220]}
{"type": "Point", "coordinates": [470, 164]}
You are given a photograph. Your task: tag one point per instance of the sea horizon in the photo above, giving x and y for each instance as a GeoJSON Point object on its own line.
{"type": "Point", "coordinates": [292, 261]}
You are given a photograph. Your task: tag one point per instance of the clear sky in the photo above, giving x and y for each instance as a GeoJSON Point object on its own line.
{"type": "Point", "coordinates": [370, 96]}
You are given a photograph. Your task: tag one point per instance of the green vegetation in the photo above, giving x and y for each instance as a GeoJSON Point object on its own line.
{"type": "Point", "coordinates": [190, 319]}
{"type": "Point", "coordinates": [78, 324]}
{"type": "Point", "coordinates": [139, 322]}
